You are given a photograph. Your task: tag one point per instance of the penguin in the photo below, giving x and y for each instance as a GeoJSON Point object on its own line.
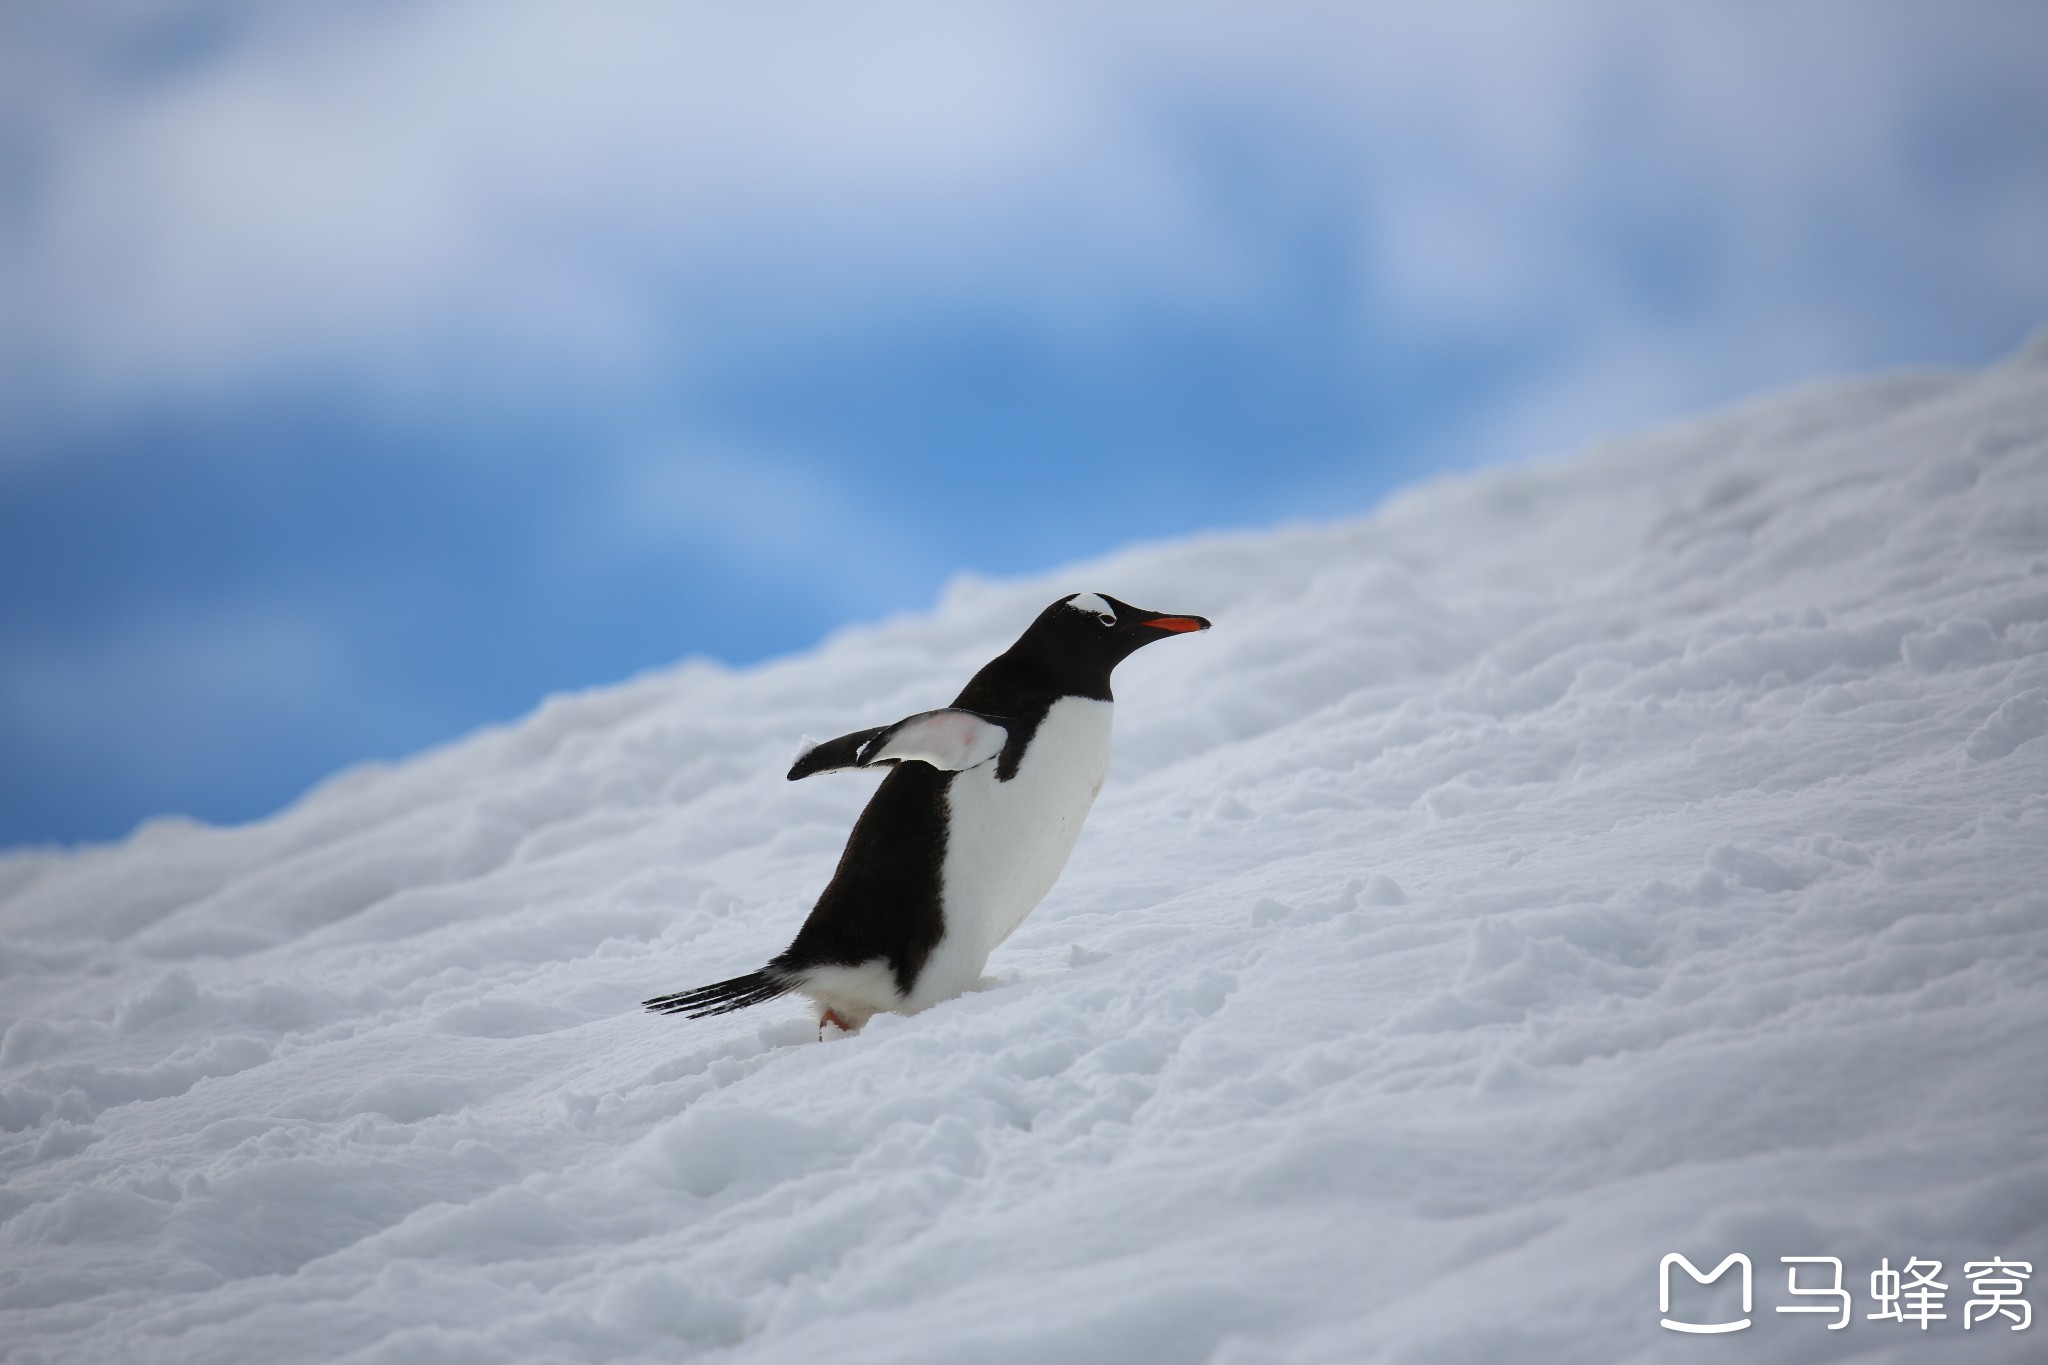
{"type": "Point", "coordinates": [969, 830]}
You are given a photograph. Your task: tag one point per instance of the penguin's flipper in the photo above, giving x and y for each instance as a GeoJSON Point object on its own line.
{"type": "Point", "coordinates": [833, 754]}
{"type": "Point", "coordinates": [948, 739]}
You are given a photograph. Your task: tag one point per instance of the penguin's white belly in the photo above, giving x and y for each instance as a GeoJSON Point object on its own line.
{"type": "Point", "coordinates": [1007, 842]}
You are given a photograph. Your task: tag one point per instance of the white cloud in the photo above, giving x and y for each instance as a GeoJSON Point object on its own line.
{"type": "Point", "coordinates": [596, 198]}
{"type": "Point", "coordinates": [537, 181]}
{"type": "Point", "coordinates": [771, 518]}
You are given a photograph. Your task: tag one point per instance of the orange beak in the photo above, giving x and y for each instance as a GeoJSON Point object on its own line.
{"type": "Point", "coordinates": [1177, 624]}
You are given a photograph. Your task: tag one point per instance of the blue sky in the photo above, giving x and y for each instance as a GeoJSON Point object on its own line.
{"type": "Point", "coordinates": [369, 371]}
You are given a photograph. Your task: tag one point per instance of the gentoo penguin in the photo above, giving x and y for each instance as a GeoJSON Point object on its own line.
{"type": "Point", "coordinates": [968, 831]}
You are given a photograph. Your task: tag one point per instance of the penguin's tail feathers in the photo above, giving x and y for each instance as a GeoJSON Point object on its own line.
{"type": "Point", "coordinates": [724, 997]}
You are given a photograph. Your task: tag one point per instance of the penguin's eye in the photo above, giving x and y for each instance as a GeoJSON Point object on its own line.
{"type": "Point", "coordinates": [1106, 619]}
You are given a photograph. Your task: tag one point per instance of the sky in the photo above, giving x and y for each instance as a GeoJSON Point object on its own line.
{"type": "Point", "coordinates": [369, 372]}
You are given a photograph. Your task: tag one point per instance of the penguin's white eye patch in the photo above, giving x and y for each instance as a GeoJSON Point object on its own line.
{"type": "Point", "coordinates": [1093, 603]}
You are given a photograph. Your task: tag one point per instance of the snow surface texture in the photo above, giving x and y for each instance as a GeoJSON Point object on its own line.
{"type": "Point", "coordinates": [1562, 867]}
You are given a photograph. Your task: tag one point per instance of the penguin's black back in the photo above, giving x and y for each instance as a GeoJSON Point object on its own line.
{"type": "Point", "coordinates": [884, 897]}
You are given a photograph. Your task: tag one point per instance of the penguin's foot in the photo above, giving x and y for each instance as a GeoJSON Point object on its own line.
{"type": "Point", "coordinates": [830, 1025]}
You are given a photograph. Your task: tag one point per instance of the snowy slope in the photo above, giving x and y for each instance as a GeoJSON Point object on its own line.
{"type": "Point", "coordinates": [1563, 867]}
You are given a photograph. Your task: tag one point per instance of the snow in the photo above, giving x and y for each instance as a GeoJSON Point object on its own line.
{"type": "Point", "coordinates": [1565, 866]}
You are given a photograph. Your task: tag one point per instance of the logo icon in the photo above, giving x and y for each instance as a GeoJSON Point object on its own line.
{"type": "Point", "coordinates": [1664, 1291]}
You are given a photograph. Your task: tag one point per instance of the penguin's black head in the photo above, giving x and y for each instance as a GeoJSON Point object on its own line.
{"type": "Point", "coordinates": [1080, 638]}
